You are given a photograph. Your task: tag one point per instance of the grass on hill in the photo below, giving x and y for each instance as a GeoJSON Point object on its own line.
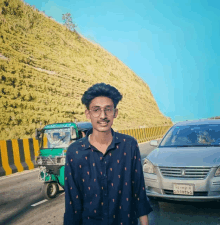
{"type": "Point", "coordinates": [45, 68]}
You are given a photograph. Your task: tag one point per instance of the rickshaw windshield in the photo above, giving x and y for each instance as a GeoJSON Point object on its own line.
{"type": "Point", "coordinates": [56, 138]}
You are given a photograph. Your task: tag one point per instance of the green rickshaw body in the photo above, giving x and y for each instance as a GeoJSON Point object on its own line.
{"type": "Point", "coordinates": [54, 141]}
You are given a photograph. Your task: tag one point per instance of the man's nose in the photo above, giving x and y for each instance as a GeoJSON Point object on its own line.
{"type": "Point", "coordinates": [103, 114]}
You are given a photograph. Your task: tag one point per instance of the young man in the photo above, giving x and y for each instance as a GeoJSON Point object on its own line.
{"type": "Point", "coordinates": [104, 183]}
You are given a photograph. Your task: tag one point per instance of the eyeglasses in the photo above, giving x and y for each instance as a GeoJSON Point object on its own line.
{"type": "Point", "coordinates": [96, 112]}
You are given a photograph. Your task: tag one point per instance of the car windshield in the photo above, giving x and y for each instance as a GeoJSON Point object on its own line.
{"type": "Point", "coordinates": [56, 138]}
{"type": "Point", "coordinates": [192, 135]}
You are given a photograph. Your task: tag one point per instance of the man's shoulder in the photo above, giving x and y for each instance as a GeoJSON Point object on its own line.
{"type": "Point", "coordinates": [125, 137]}
{"type": "Point", "coordinates": [76, 146]}
{"type": "Point", "coordinates": [77, 143]}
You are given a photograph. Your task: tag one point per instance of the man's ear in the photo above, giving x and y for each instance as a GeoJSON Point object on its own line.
{"type": "Point", "coordinates": [116, 113]}
{"type": "Point", "coordinates": [87, 114]}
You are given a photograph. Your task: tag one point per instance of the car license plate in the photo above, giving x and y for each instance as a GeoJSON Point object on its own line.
{"type": "Point", "coordinates": [183, 189]}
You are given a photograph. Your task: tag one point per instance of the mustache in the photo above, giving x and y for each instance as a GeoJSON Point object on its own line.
{"type": "Point", "coordinates": [104, 120]}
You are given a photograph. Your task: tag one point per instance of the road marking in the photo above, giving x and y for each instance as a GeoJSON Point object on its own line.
{"type": "Point", "coordinates": [38, 203]}
{"type": "Point", "coordinates": [45, 200]}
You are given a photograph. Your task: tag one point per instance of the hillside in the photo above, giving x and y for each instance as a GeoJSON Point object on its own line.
{"type": "Point", "coordinates": [45, 68]}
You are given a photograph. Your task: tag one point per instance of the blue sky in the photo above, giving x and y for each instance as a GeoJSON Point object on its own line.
{"type": "Point", "coordinates": [172, 45]}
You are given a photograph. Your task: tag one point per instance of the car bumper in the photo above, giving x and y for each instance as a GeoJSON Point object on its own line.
{"type": "Point", "coordinates": [204, 190]}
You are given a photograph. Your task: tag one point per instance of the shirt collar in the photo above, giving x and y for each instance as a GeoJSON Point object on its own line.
{"type": "Point", "coordinates": [115, 140]}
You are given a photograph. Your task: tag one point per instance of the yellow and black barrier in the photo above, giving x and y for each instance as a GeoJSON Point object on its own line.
{"type": "Point", "coordinates": [19, 155]}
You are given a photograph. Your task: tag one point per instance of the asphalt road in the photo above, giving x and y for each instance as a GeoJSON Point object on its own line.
{"type": "Point", "coordinates": [22, 203]}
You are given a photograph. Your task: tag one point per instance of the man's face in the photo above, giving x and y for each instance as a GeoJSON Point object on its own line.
{"type": "Point", "coordinates": [102, 121]}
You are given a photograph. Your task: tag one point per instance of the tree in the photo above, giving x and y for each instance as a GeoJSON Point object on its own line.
{"type": "Point", "coordinates": [67, 18]}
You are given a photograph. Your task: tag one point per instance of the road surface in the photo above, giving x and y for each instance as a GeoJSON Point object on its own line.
{"type": "Point", "coordinates": [22, 203]}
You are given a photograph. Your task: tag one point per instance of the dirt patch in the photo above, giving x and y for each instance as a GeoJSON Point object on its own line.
{"type": "Point", "coordinates": [45, 71]}
{"type": "Point", "coordinates": [2, 57]}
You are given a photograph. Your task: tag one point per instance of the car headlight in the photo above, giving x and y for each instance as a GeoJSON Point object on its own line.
{"type": "Point", "coordinates": [217, 172]}
{"type": "Point", "coordinates": [148, 167]}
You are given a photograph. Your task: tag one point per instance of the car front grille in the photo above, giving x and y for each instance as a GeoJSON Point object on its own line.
{"type": "Point", "coordinates": [196, 193]}
{"type": "Point", "coordinates": [185, 172]}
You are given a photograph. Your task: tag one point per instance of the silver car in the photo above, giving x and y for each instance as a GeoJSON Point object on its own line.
{"type": "Point", "coordinates": [185, 165]}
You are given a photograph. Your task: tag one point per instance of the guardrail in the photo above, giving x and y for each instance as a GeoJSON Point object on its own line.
{"type": "Point", "coordinates": [146, 134]}
{"type": "Point", "coordinates": [19, 155]}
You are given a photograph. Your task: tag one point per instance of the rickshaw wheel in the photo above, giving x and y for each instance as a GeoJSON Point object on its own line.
{"type": "Point", "coordinates": [50, 190]}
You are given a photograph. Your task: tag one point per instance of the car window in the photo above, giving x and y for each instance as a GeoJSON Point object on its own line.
{"type": "Point", "coordinates": [192, 135]}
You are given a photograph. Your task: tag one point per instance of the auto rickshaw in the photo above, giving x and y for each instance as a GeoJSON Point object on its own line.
{"type": "Point", "coordinates": [54, 141]}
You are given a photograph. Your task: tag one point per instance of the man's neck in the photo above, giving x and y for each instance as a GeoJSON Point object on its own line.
{"type": "Point", "coordinates": [101, 138]}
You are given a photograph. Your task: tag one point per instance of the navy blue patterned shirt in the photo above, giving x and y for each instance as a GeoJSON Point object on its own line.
{"type": "Point", "coordinates": [104, 189]}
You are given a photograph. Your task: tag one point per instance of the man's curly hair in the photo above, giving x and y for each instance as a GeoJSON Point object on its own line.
{"type": "Point", "coordinates": [101, 89]}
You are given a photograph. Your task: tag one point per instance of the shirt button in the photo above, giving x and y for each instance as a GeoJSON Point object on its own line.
{"type": "Point", "coordinates": [105, 162]}
{"type": "Point", "coordinates": [104, 175]}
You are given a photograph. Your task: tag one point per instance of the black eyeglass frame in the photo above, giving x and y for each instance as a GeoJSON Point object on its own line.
{"type": "Point", "coordinates": [112, 110]}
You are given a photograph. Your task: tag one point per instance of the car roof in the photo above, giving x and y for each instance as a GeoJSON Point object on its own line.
{"type": "Point", "coordinates": [198, 122]}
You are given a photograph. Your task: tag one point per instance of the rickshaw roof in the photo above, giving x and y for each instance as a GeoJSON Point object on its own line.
{"type": "Point", "coordinates": [84, 125]}
{"type": "Point", "coordinates": [79, 125]}
{"type": "Point", "coordinates": [60, 125]}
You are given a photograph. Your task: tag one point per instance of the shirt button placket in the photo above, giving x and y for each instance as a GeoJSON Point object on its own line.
{"type": "Point", "coordinates": [105, 189]}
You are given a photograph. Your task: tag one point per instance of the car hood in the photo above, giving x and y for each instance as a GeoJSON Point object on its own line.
{"type": "Point", "coordinates": [185, 156]}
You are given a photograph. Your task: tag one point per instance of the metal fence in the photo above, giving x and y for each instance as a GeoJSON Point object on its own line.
{"type": "Point", "coordinates": [146, 134]}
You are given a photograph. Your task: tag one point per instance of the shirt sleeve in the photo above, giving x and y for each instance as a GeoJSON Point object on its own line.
{"type": "Point", "coordinates": [73, 198]}
{"type": "Point", "coordinates": [141, 202]}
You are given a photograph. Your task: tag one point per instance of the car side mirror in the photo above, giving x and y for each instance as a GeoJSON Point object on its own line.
{"type": "Point", "coordinates": [154, 143]}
